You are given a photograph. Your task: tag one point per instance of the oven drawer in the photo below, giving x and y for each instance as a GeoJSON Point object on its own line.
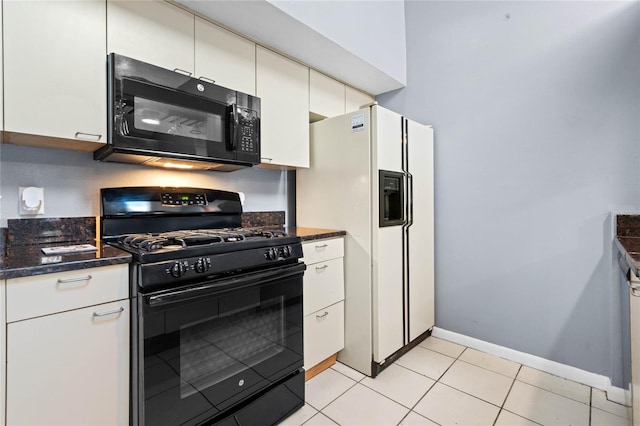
{"type": "Point", "coordinates": [323, 334]}
{"type": "Point", "coordinates": [321, 250]}
{"type": "Point", "coordinates": [46, 294]}
{"type": "Point", "coordinates": [323, 285]}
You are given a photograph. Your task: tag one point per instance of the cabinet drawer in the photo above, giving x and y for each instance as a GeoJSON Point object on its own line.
{"type": "Point", "coordinates": [30, 297]}
{"type": "Point", "coordinates": [323, 284]}
{"type": "Point", "coordinates": [323, 334]}
{"type": "Point", "coordinates": [320, 250]}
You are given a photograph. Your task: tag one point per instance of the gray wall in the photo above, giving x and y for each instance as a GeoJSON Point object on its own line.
{"type": "Point", "coordinates": [373, 31]}
{"type": "Point", "coordinates": [535, 107]}
{"type": "Point", "coordinates": [72, 181]}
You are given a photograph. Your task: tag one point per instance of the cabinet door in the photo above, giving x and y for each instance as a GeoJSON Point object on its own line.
{"type": "Point", "coordinates": [421, 232]}
{"type": "Point", "coordinates": [326, 96]}
{"type": "Point", "coordinates": [323, 334]}
{"type": "Point", "coordinates": [54, 69]}
{"type": "Point", "coordinates": [151, 31]}
{"type": "Point", "coordinates": [634, 318]}
{"type": "Point", "coordinates": [226, 58]}
{"type": "Point", "coordinates": [283, 86]}
{"type": "Point", "coordinates": [70, 368]}
{"type": "Point", "coordinates": [355, 99]}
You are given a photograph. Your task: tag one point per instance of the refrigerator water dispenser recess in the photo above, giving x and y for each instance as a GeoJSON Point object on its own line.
{"type": "Point", "coordinates": [391, 202]}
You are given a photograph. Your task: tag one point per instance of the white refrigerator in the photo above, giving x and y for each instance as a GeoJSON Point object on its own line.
{"type": "Point", "coordinates": [371, 174]}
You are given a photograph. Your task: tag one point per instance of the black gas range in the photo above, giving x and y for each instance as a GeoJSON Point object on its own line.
{"type": "Point", "coordinates": [216, 309]}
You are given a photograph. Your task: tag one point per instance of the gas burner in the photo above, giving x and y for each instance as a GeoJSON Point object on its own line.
{"type": "Point", "coordinates": [176, 240]}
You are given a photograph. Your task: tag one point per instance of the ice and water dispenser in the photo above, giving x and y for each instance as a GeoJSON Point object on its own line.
{"type": "Point", "coordinates": [391, 203]}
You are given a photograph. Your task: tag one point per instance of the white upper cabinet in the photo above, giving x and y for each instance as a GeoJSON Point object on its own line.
{"type": "Point", "coordinates": [355, 99]}
{"type": "Point", "coordinates": [225, 57]}
{"type": "Point", "coordinates": [283, 87]}
{"type": "Point", "coordinates": [54, 69]}
{"type": "Point", "coordinates": [326, 95]}
{"type": "Point", "coordinates": [151, 31]}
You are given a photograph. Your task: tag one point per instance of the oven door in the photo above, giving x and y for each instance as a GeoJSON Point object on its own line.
{"type": "Point", "coordinates": [206, 350]}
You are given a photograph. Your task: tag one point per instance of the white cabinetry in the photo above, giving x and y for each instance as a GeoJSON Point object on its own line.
{"type": "Point", "coordinates": [634, 329]}
{"type": "Point", "coordinates": [356, 99]}
{"type": "Point", "coordinates": [326, 96]}
{"type": "Point", "coordinates": [152, 31]}
{"type": "Point", "coordinates": [226, 58]}
{"type": "Point", "coordinates": [54, 72]}
{"type": "Point", "coordinates": [283, 87]}
{"type": "Point", "coordinates": [323, 301]}
{"type": "Point", "coordinates": [68, 348]}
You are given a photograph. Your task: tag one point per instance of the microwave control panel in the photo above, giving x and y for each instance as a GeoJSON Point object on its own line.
{"type": "Point", "coordinates": [248, 130]}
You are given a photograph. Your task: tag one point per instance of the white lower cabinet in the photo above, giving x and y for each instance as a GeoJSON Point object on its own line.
{"type": "Point", "coordinates": [69, 367]}
{"type": "Point", "coordinates": [323, 300]}
{"type": "Point", "coordinates": [634, 318]}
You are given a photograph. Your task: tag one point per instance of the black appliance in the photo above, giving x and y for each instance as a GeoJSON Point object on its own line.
{"type": "Point", "coordinates": [216, 309]}
{"type": "Point", "coordinates": [166, 118]}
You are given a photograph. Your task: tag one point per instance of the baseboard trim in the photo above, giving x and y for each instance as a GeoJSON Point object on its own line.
{"type": "Point", "coordinates": [598, 381]}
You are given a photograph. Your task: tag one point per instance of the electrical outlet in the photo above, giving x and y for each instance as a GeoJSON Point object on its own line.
{"type": "Point", "coordinates": [31, 200]}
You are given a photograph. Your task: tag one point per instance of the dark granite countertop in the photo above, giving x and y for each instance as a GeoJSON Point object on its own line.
{"type": "Point", "coordinates": [22, 241]}
{"type": "Point", "coordinates": [628, 242]}
{"type": "Point", "coordinates": [21, 244]}
{"type": "Point", "coordinates": [28, 260]}
{"type": "Point", "coordinates": [310, 234]}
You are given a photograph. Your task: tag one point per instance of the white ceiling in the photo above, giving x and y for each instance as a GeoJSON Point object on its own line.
{"type": "Point", "coordinates": [375, 66]}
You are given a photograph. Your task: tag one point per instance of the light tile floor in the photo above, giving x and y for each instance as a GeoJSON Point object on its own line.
{"type": "Point", "coordinates": [442, 383]}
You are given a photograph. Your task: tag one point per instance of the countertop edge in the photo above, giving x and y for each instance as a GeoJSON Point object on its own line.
{"type": "Point", "coordinates": [631, 264]}
{"type": "Point", "coordinates": [311, 234]}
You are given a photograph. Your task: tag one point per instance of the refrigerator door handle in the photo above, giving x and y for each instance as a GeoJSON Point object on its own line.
{"type": "Point", "coordinates": [410, 200]}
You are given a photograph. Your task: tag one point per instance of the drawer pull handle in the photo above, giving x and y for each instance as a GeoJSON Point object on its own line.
{"type": "Point", "coordinates": [321, 268]}
{"type": "Point", "coordinates": [323, 315]}
{"type": "Point", "coordinates": [74, 280]}
{"type": "Point", "coordinates": [91, 136]}
{"type": "Point", "coordinates": [322, 246]}
{"type": "Point", "coordinates": [267, 159]}
{"type": "Point", "coordinates": [205, 79]}
{"type": "Point", "coordinates": [183, 72]}
{"type": "Point", "coordinates": [104, 314]}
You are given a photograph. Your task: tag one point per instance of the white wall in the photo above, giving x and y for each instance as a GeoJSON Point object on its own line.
{"type": "Point", "coordinates": [372, 30]}
{"type": "Point", "coordinates": [535, 107]}
{"type": "Point", "coordinates": [72, 181]}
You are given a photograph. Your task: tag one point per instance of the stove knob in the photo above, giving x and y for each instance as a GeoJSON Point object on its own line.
{"type": "Point", "coordinates": [202, 265]}
{"type": "Point", "coordinates": [271, 254]}
{"type": "Point", "coordinates": [286, 251]}
{"type": "Point", "coordinates": [178, 269]}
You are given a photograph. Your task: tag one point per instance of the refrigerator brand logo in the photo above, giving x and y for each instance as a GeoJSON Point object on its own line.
{"type": "Point", "coordinates": [357, 123]}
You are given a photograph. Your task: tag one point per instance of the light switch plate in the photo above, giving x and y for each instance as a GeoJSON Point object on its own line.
{"type": "Point", "coordinates": [31, 200]}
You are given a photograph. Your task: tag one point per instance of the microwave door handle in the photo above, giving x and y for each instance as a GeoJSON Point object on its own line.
{"type": "Point", "coordinates": [233, 128]}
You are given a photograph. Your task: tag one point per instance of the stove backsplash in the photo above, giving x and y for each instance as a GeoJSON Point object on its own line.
{"type": "Point", "coordinates": [271, 220]}
{"type": "Point", "coordinates": [51, 230]}
{"type": "Point", "coordinates": [83, 229]}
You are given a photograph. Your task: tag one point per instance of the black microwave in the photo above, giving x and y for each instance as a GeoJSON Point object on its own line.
{"type": "Point", "coordinates": [165, 118]}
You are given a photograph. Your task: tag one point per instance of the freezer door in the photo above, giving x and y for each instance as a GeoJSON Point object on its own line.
{"type": "Point", "coordinates": [387, 261]}
{"type": "Point", "coordinates": [420, 235]}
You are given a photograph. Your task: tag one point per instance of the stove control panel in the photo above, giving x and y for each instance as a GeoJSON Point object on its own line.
{"type": "Point", "coordinates": [205, 266]}
{"type": "Point", "coordinates": [183, 199]}
{"type": "Point", "coordinates": [278, 253]}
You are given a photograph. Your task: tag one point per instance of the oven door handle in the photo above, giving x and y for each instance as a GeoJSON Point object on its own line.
{"type": "Point", "coordinates": [226, 284]}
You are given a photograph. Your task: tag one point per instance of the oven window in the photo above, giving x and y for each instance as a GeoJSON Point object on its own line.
{"type": "Point", "coordinates": [201, 356]}
{"type": "Point", "coordinates": [218, 348]}
{"type": "Point", "coordinates": [168, 119]}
